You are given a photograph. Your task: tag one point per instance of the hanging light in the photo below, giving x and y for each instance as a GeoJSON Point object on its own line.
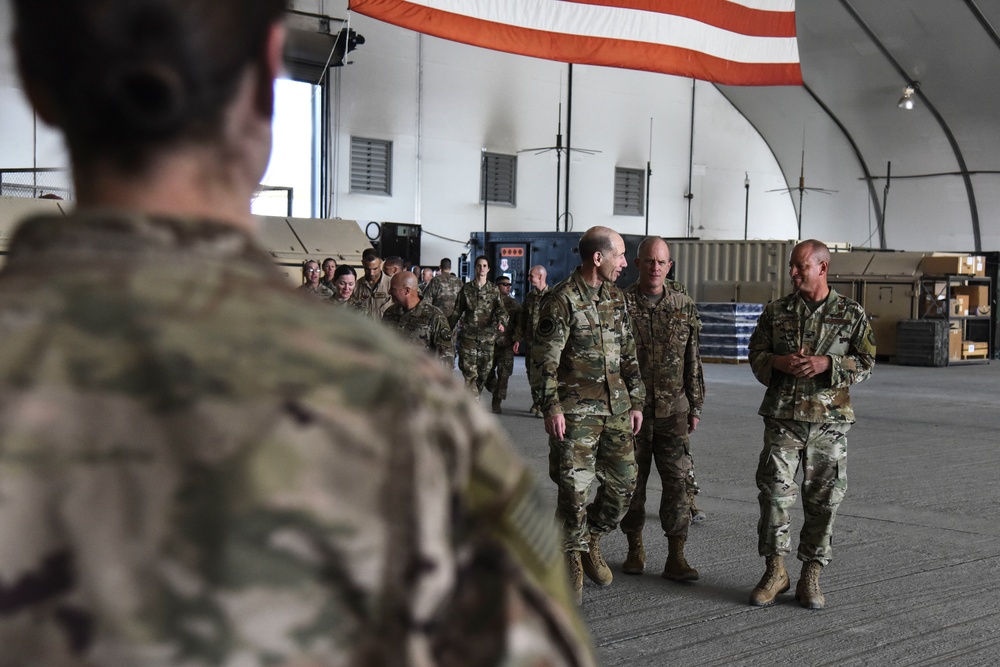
{"type": "Point", "coordinates": [906, 101]}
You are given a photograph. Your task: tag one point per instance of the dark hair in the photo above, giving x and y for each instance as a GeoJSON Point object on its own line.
{"type": "Point", "coordinates": [394, 261]}
{"type": "Point", "coordinates": [446, 264]}
{"type": "Point", "coordinates": [123, 78]}
{"type": "Point", "coordinates": [369, 255]}
{"type": "Point", "coordinates": [481, 257]}
{"type": "Point", "coordinates": [343, 270]}
{"type": "Point", "coordinates": [330, 259]}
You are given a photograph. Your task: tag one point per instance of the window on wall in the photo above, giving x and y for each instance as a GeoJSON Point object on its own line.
{"type": "Point", "coordinates": [371, 166]}
{"type": "Point", "coordinates": [498, 179]}
{"type": "Point", "coordinates": [629, 191]}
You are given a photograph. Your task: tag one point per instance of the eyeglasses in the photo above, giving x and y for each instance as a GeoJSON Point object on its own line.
{"type": "Point", "coordinates": [504, 284]}
{"type": "Point", "coordinates": [312, 270]}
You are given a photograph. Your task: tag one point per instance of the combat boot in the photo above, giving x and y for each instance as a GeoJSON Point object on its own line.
{"type": "Point", "coordinates": [575, 575]}
{"type": "Point", "coordinates": [635, 562]}
{"type": "Point", "coordinates": [593, 563]}
{"type": "Point", "coordinates": [496, 404]}
{"type": "Point", "coordinates": [676, 567]}
{"type": "Point", "coordinates": [773, 583]}
{"type": "Point", "coordinates": [807, 591]}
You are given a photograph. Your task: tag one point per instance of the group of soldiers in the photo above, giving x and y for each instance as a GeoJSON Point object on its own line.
{"type": "Point", "coordinates": [618, 377]}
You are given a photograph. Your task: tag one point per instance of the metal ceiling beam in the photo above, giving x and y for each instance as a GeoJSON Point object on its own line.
{"type": "Point", "coordinates": [956, 149]}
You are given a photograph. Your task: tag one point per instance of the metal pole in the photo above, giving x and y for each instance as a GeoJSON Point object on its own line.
{"type": "Point", "coordinates": [690, 195]}
{"type": "Point", "coordinates": [746, 208]}
{"type": "Point", "coordinates": [486, 197]}
{"type": "Point", "coordinates": [649, 171]}
{"type": "Point", "coordinates": [569, 141]}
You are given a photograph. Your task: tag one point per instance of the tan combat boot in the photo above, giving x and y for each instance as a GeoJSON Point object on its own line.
{"type": "Point", "coordinates": [676, 567]}
{"type": "Point", "coordinates": [575, 570]}
{"type": "Point", "coordinates": [773, 583]}
{"type": "Point", "coordinates": [807, 591]}
{"type": "Point", "coordinates": [593, 563]}
{"type": "Point", "coordinates": [635, 562]}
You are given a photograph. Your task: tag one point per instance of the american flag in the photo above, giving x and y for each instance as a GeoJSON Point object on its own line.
{"type": "Point", "coordinates": [734, 42]}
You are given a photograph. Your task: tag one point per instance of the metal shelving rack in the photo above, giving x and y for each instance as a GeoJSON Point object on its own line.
{"type": "Point", "coordinates": [978, 328]}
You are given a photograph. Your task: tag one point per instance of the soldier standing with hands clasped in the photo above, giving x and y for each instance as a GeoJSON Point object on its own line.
{"type": "Point", "coordinates": [666, 326]}
{"type": "Point", "coordinates": [592, 397]}
{"type": "Point", "coordinates": [808, 348]}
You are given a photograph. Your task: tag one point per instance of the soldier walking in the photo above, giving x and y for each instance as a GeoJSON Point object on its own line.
{"type": "Point", "coordinates": [526, 326]}
{"type": "Point", "coordinates": [417, 319]}
{"type": "Point", "coordinates": [482, 316]}
{"type": "Point", "coordinates": [592, 397]}
{"type": "Point", "coordinates": [666, 326]}
{"type": "Point", "coordinates": [503, 349]}
{"type": "Point", "coordinates": [808, 348]}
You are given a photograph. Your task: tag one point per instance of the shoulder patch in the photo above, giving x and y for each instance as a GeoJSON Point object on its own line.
{"type": "Point", "coordinates": [546, 327]}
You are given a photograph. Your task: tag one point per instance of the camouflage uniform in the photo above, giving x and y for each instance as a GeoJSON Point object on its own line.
{"type": "Point", "coordinates": [666, 339]}
{"type": "Point", "coordinates": [198, 470]}
{"type": "Point", "coordinates": [426, 326]}
{"type": "Point", "coordinates": [373, 300]}
{"type": "Point", "coordinates": [442, 291]}
{"type": "Point", "coordinates": [480, 312]}
{"type": "Point", "coordinates": [525, 334]}
{"type": "Point", "coordinates": [806, 419]}
{"type": "Point", "coordinates": [584, 354]}
{"type": "Point", "coordinates": [503, 351]}
{"type": "Point", "coordinates": [321, 291]}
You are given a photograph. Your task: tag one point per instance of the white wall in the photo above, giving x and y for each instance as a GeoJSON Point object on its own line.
{"type": "Point", "coordinates": [441, 103]}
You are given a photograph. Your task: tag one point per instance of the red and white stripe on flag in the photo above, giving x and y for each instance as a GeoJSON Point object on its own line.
{"type": "Point", "coordinates": [734, 42]}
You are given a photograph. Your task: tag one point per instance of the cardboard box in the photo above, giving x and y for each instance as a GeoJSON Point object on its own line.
{"type": "Point", "coordinates": [959, 306]}
{"type": "Point", "coordinates": [955, 344]}
{"type": "Point", "coordinates": [943, 265]}
{"type": "Point", "coordinates": [975, 349]}
{"type": "Point", "coordinates": [978, 295]}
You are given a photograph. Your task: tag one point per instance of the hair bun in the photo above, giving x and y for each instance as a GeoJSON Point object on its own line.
{"type": "Point", "coordinates": [148, 97]}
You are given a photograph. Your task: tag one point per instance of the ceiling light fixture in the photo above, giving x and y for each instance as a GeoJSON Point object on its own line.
{"type": "Point", "coordinates": [906, 101]}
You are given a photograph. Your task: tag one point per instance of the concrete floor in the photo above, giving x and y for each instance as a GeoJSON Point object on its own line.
{"type": "Point", "coordinates": [916, 573]}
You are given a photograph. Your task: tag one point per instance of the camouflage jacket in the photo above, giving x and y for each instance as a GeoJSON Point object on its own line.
{"type": "Point", "coordinates": [480, 312]}
{"type": "Point", "coordinates": [442, 291]}
{"type": "Point", "coordinates": [666, 342]}
{"type": "Point", "coordinates": [513, 308]}
{"type": "Point", "coordinates": [199, 470]}
{"type": "Point", "coordinates": [321, 291]}
{"type": "Point", "coordinates": [373, 300]}
{"type": "Point", "coordinates": [838, 329]}
{"type": "Point", "coordinates": [584, 351]}
{"type": "Point", "coordinates": [425, 325]}
{"type": "Point", "coordinates": [528, 322]}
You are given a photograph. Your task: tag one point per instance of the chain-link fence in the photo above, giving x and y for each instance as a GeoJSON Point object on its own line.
{"type": "Point", "coordinates": [36, 183]}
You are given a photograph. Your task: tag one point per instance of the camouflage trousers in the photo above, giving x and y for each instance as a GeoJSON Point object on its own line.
{"type": "Point", "coordinates": [820, 450]}
{"type": "Point", "coordinates": [475, 359]}
{"type": "Point", "coordinates": [600, 447]}
{"type": "Point", "coordinates": [500, 372]}
{"type": "Point", "coordinates": [663, 441]}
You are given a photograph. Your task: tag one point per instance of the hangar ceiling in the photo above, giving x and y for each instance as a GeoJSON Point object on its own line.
{"type": "Point", "coordinates": [943, 156]}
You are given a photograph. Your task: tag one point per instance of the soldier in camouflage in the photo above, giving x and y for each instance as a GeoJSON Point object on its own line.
{"type": "Point", "coordinates": [371, 294]}
{"type": "Point", "coordinates": [417, 319]}
{"type": "Point", "coordinates": [592, 396]}
{"type": "Point", "coordinates": [197, 468]}
{"type": "Point", "coordinates": [666, 326]}
{"type": "Point", "coordinates": [311, 283]}
{"type": "Point", "coordinates": [808, 349]}
{"type": "Point", "coordinates": [443, 289]}
{"type": "Point", "coordinates": [503, 349]}
{"type": "Point", "coordinates": [481, 315]}
{"type": "Point", "coordinates": [526, 326]}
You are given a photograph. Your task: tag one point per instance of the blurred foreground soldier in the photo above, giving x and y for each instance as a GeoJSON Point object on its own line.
{"type": "Point", "coordinates": [808, 349]}
{"type": "Point", "coordinates": [418, 320]}
{"type": "Point", "coordinates": [503, 349]}
{"type": "Point", "coordinates": [526, 325]}
{"type": "Point", "coordinates": [481, 315]}
{"type": "Point", "coordinates": [592, 396]}
{"type": "Point", "coordinates": [666, 326]}
{"type": "Point", "coordinates": [372, 291]}
{"type": "Point", "coordinates": [197, 469]}
{"type": "Point", "coordinates": [444, 288]}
